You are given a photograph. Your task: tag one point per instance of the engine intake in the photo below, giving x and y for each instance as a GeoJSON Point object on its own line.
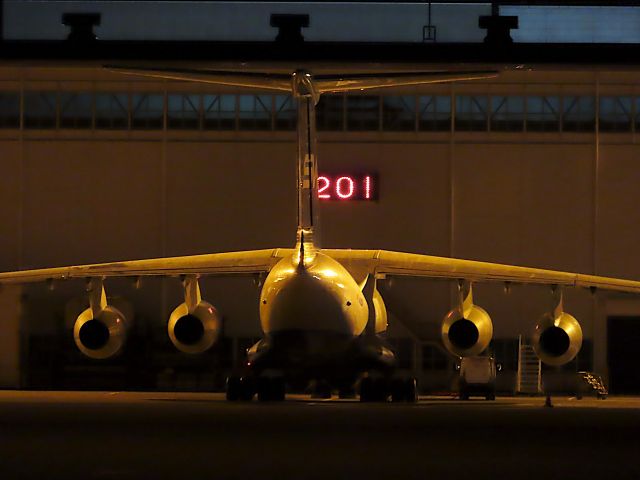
{"type": "Point", "coordinates": [100, 336]}
{"type": "Point", "coordinates": [194, 331]}
{"type": "Point", "coordinates": [469, 333]}
{"type": "Point", "coordinates": [557, 338]}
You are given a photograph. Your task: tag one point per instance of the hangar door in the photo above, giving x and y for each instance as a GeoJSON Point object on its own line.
{"type": "Point", "coordinates": [623, 343]}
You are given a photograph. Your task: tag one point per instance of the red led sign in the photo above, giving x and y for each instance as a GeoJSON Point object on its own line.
{"type": "Point", "coordinates": [348, 186]}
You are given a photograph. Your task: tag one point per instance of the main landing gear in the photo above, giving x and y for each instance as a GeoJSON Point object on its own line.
{"type": "Point", "coordinates": [380, 389]}
{"type": "Point", "coordinates": [244, 388]}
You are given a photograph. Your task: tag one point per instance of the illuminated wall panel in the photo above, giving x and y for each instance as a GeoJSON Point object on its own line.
{"type": "Point", "coordinates": [10, 205]}
{"type": "Point", "coordinates": [618, 211]}
{"type": "Point", "coordinates": [91, 202]}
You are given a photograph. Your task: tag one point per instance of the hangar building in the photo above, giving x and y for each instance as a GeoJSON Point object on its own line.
{"type": "Point", "coordinates": [536, 167]}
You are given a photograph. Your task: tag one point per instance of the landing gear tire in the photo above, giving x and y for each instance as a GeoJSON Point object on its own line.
{"type": "Point", "coordinates": [240, 388]}
{"type": "Point", "coordinates": [321, 390]}
{"type": "Point", "coordinates": [271, 389]}
{"type": "Point", "coordinates": [248, 389]}
{"type": "Point", "coordinates": [411, 392]}
{"type": "Point", "coordinates": [233, 388]}
{"type": "Point", "coordinates": [366, 389]}
{"type": "Point", "coordinates": [490, 396]}
{"type": "Point", "coordinates": [373, 390]}
{"type": "Point", "coordinates": [404, 390]}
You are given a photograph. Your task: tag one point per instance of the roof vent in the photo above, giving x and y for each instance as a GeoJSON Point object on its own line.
{"type": "Point", "coordinates": [81, 26]}
{"type": "Point", "coordinates": [289, 26]}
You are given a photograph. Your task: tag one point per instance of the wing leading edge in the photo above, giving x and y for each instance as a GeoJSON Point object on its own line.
{"type": "Point", "coordinates": [364, 262]}
{"type": "Point", "coordinates": [230, 263]}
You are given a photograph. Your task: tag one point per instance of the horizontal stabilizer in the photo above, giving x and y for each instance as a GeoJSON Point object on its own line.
{"type": "Point", "coordinates": [365, 81]}
{"type": "Point", "coordinates": [268, 81]}
{"type": "Point", "coordinates": [322, 83]}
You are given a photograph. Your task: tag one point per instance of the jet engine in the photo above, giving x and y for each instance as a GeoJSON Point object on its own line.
{"type": "Point", "coordinates": [194, 325]}
{"type": "Point", "coordinates": [100, 334]}
{"type": "Point", "coordinates": [557, 338]}
{"type": "Point", "coordinates": [100, 331]}
{"type": "Point", "coordinates": [467, 333]}
{"type": "Point", "coordinates": [194, 331]}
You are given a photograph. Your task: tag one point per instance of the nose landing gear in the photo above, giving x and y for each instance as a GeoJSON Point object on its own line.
{"type": "Point", "coordinates": [244, 388]}
{"type": "Point", "coordinates": [380, 389]}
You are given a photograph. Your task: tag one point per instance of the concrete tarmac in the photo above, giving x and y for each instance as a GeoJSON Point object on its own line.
{"type": "Point", "coordinates": [117, 435]}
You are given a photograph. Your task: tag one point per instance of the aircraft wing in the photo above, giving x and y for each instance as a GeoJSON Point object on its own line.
{"type": "Point", "coordinates": [364, 262]}
{"type": "Point", "coordinates": [230, 263]}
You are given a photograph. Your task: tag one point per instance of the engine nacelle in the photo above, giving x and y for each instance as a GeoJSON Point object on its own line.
{"type": "Point", "coordinates": [467, 334]}
{"type": "Point", "coordinates": [100, 336]}
{"type": "Point", "coordinates": [557, 338]}
{"type": "Point", "coordinates": [380, 310]}
{"type": "Point", "coordinates": [195, 331]}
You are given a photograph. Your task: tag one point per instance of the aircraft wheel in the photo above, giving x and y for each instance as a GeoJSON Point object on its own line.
{"type": "Point", "coordinates": [411, 393]}
{"type": "Point", "coordinates": [347, 392]}
{"type": "Point", "coordinates": [271, 389]}
{"type": "Point", "coordinates": [264, 389]}
{"type": "Point", "coordinates": [248, 388]}
{"type": "Point", "coordinates": [321, 390]}
{"type": "Point", "coordinates": [278, 387]}
{"type": "Point", "coordinates": [234, 388]}
{"type": "Point", "coordinates": [381, 390]}
{"type": "Point", "coordinates": [366, 389]}
{"type": "Point", "coordinates": [398, 390]}
{"type": "Point", "coordinates": [490, 396]}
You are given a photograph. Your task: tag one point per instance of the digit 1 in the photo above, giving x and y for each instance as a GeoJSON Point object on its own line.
{"type": "Point", "coordinates": [367, 187]}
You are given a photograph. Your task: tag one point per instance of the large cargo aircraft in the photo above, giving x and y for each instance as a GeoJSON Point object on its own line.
{"type": "Point", "coordinates": [320, 309]}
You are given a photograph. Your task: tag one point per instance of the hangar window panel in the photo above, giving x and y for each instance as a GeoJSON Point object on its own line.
{"type": "Point", "coordinates": [543, 113]}
{"type": "Point", "coordinates": [434, 113]}
{"type": "Point", "coordinates": [330, 113]}
{"type": "Point", "coordinates": [147, 111]}
{"type": "Point", "coordinates": [636, 113]}
{"type": "Point", "coordinates": [76, 110]}
{"type": "Point", "coordinates": [286, 113]}
{"type": "Point", "coordinates": [219, 112]}
{"type": "Point", "coordinates": [363, 112]}
{"type": "Point", "coordinates": [112, 111]}
{"type": "Point", "coordinates": [40, 109]}
{"type": "Point", "coordinates": [615, 114]}
{"type": "Point", "coordinates": [399, 113]}
{"type": "Point", "coordinates": [579, 114]}
{"type": "Point", "coordinates": [183, 111]}
{"type": "Point", "coordinates": [471, 113]}
{"type": "Point", "coordinates": [507, 114]}
{"type": "Point", "coordinates": [433, 358]}
{"type": "Point", "coordinates": [9, 110]}
{"type": "Point", "coordinates": [254, 112]}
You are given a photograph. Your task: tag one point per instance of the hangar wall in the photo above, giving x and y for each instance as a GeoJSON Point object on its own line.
{"type": "Point", "coordinates": [560, 200]}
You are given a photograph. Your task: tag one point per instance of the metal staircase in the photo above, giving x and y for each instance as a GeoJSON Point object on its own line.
{"type": "Point", "coordinates": [529, 380]}
{"type": "Point", "coordinates": [591, 383]}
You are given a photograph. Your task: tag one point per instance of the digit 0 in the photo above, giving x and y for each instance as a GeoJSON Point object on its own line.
{"type": "Point", "coordinates": [345, 187]}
